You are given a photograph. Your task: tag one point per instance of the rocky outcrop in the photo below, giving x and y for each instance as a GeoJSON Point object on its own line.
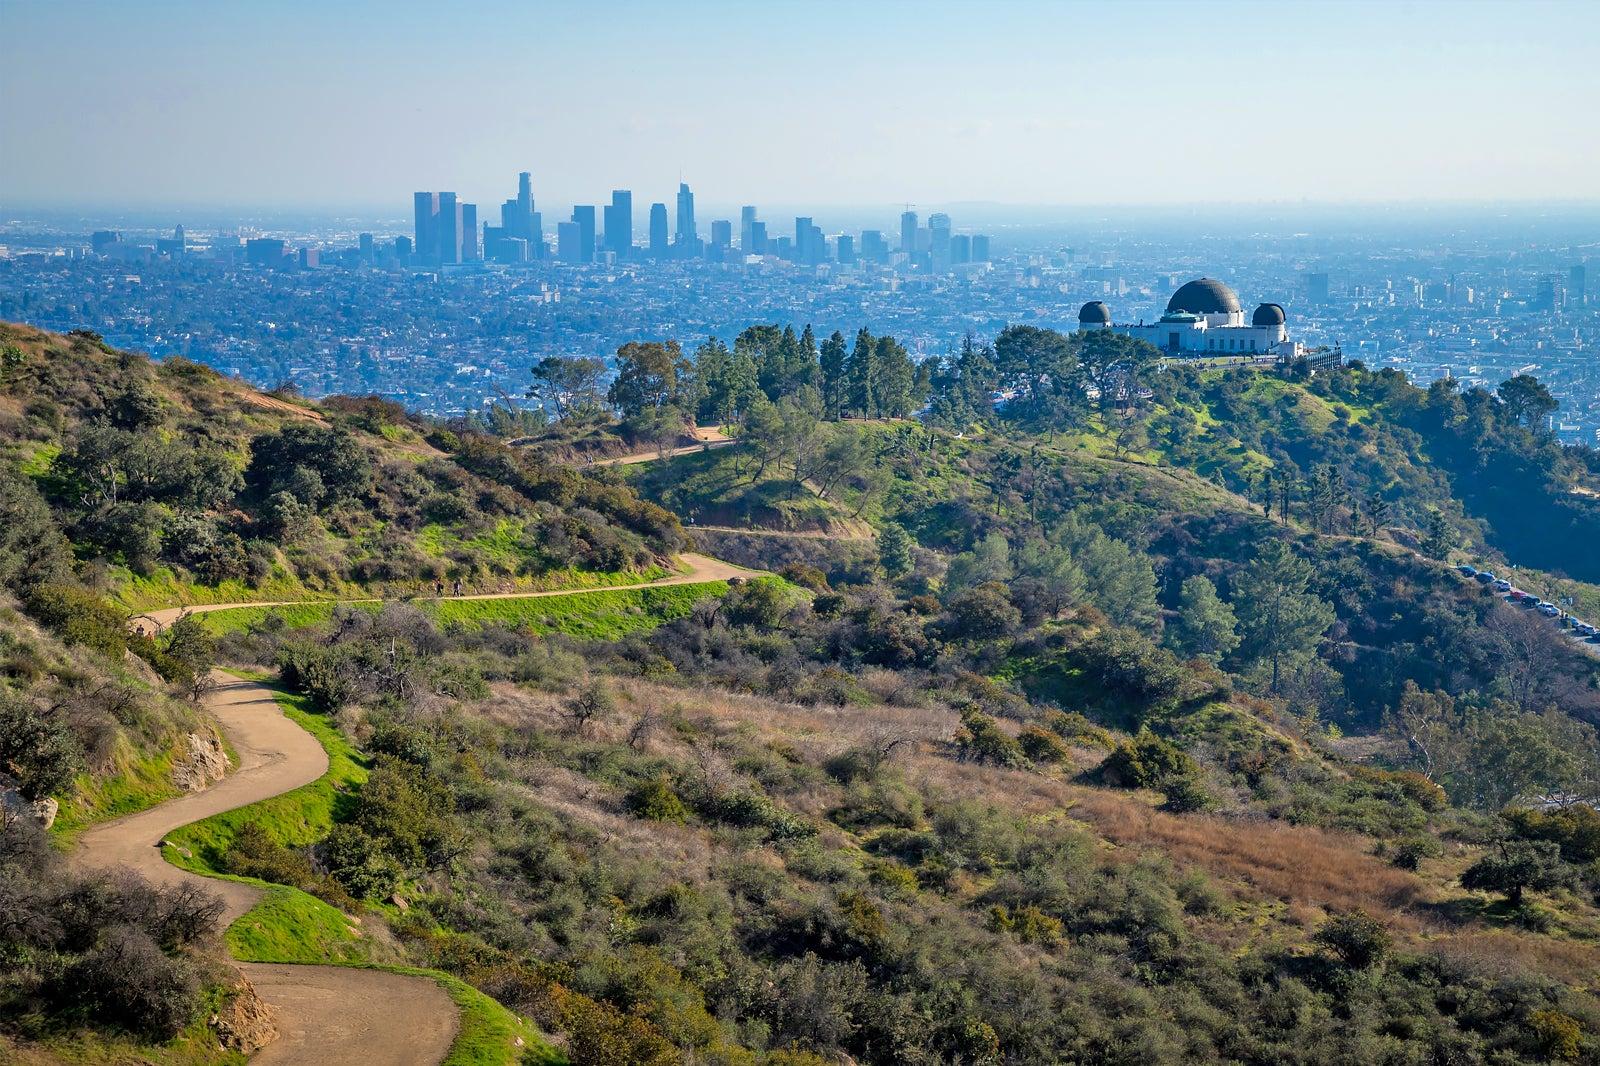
{"type": "Point", "coordinates": [13, 804]}
{"type": "Point", "coordinates": [203, 761]}
{"type": "Point", "coordinates": [245, 1021]}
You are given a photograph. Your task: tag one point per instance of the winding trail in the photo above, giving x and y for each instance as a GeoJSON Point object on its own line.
{"type": "Point", "coordinates": [325, 1015]}
{"type": "Point", "coordinates": [702, 568]}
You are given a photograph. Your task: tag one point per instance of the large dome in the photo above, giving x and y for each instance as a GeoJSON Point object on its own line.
{"type": "Point", "coordinates": [1204, 297]}
{"type": "Point", "coordinates": [1095, 313]}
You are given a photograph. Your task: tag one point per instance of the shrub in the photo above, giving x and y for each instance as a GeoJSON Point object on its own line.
{"type": "Point", "coordinates": [129, 981]}
{"type": "Point", "coordinates": [360, 864]}
{"type": "Point", "coordinates": [1558, 1035]}
{"type": "Point", "coordinates": [80, 617]}
{"type": "Point", "coordinates": [980, 739]}
{"type": "Point", "coordinates": [1575, 829]}
{"type": "Point", "coordinates": [1410, 853]}
{"type": "Point", "coordinates": [1147, 761]}
{"type": "Point", "coordinates": [1518, 865]}
{"type": "Point", "coordinates": [1043, 746]}
{"type": "Point", "coordinates": [654, 800]}
{"type": "Point", "coordinates": [1076, 729]}
{"type": "Point", "coordinates": [1357, 939]}
{"type": "Point", "coordinates": [38, 752]}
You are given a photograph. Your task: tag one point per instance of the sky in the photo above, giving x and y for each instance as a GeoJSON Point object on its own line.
{"type": "Point", "coordinates": [355, 104]}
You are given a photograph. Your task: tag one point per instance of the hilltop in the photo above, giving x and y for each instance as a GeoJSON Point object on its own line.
{"type": "Point", "coordinates": [1143, 715]}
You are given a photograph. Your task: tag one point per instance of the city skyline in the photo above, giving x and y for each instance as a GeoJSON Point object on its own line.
{"type": "Point", "coordinates": [1029, 104]}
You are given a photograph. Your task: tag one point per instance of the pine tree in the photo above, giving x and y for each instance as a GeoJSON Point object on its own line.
{"type": "Point", "coordinates": [861, 377]}
{"type": "Point", "coordinates": [1437, 537]}
{"type": "Point", "coordinates": [1206, 627]}
{"type": "Point", "coordinates": [832, 361]}
{"type": "Point", "coordinates": [1281, 618]}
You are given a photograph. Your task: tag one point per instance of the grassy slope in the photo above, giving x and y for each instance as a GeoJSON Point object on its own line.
{"type": "Point", "coordinates": [606, 613]}
{"type": "Point", "coordinates": [290, 926]}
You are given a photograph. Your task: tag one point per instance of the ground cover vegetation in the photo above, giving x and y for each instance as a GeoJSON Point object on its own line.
{"type": "Point", "coordinates": [1079, 747]}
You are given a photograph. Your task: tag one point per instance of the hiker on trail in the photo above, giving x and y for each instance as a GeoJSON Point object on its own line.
{"type": "Point", "coordinates": [458, 586]}
{"type": "Point", "coordinates": [438, 588]}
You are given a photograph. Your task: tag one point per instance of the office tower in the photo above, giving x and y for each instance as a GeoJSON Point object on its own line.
{"type": "Point", "coordinates": [569, 242]}
{"type": "Point", "coordinates": [687, 233]}
{"type": "Point", "coordinates": [874, 249]}
{"type": "Point", "coordinates": [847, 248]}
{"type": "Point", "coordinates": [980, 248]}
{"type": "Point", "coordinates": [402, 248]}
{"type": "Point", "coordinates": [174, 246]}
{"type": "Point", "coordinates": [584, 217]}
{"type": "Point", "coordinates": [960, 249]}
{"type": "Point", "coordinates": [1577, 286]}
{"type": "Point", "coordinates": [469, 234]}
{"type": "Point", "coordinates": [1317, 288]}
{"type": "Point", "coordinates": [447, 229]}
{"type": "Point", "coordinates": [525, 194]}
{"type": "Point", "coordinates": [747, 218]}
{"type": "Point", "coordinates": [365, 245]}
{"type": "Point", "coordinates": [660, 245]}
{"type": "Point", "coordinates": [939, 240]}
{"type": "Point", "coordinates": [758, 238]}
{"type": "Point", "coordinates": [619, 223]}
{"type": "Point", "coordinates": [101, 239]}
{"type": "Point", "coordinates": [310, 258]}
{"type": "Point", "coordinates": [427, 218]}
{"type": "Point", "coordinates": [802, 239]}
{"type": "Point", "coordinates": [908, 233]}
{"type": "Point", "coordinates": [264, 251]}
{"type": "Point", "coordinates": [1549, 298]}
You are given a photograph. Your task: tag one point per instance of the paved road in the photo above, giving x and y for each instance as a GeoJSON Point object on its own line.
{"type": "Point", "coordinates": [326, 1015]}
{"type": "Point", "coordinates": [702, 568]}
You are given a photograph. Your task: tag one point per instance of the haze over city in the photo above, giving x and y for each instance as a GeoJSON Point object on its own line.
{"type": "Point", "coordinates": [351, 106]}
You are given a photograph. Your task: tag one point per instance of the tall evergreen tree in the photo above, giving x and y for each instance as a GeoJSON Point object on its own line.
{"type": "Point", "coordinates": [832, 363]}
{"type": "Point", "coordinates": [1282, 619]}
{"type": "Point", "coordinates": [861, 377]}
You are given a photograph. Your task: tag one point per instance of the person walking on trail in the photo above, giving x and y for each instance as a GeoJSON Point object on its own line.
{"type": "Point", "coordinates": [438, 589]}
{"type": "Point", "coordinates": [458, 586]}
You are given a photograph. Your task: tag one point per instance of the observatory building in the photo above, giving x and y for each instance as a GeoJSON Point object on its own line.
{"type": "Point", "coordinates": [1204, 318]}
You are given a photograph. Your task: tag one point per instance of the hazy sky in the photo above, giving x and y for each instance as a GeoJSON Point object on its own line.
{"type": "Point", "coordinates": [342, 103]}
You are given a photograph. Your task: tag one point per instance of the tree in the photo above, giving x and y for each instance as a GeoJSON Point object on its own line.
{"type": "Point", "coordinates": [37, 751]}
{"type": "Point", "coordinates": [1514, 866]}
{"type": "Point", "coordinates": [647, 377]}
{"type": "Point", "coordinates": [894, 389]}
{"type": "Point", "coordinates": [894, 551]}
{"type": "Point", "coordinates": [1526, 402]}
{"type": "Point", "coordinates": [568, 386]}
{"type": "Point", "coordinates": [1031, 361]}
{"type": "Point", "coordinates": [861, 377]}
{"type": "Point", "coordinates": [1437, 537]}
{"type": "Point", "coordinates": [1206, 627]}
{"type": "Point", "coordinates": [726, 383]}
{"type": "Point", "coordinates": [832, 361]}
{"type": "Point", "coordinates": [1280, 618]}
{"type": "Point", "coordinates": [988, 561]}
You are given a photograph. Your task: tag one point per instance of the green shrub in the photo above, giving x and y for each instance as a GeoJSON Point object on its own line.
{"type": "Point", "coordinates": [980, 739]}
{"type": "Point", "coordinates": [80, 617]}
{"type": "Point", "coordinates": [37, 750]}
{"type": "Point", "coordinates": [1357, 939]}
{"type": "Point", "coordinates": [1042, 746]}
{"type": "Point", "coordinates": [654, 800]}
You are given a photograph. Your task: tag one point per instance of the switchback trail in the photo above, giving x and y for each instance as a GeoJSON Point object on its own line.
{"type": "Point", "coordinates": [702, 568]}
{"type": "Point", "coordinates": [326, 1015]}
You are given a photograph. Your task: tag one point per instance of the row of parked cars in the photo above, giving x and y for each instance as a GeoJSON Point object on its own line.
{"type": "Point", "coordinates": [1580, 629]}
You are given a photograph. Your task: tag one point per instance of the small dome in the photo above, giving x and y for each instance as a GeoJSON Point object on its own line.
{"type": "Point", "coordinates": [1204, 297]}
{"type": "Point", "coordinates": [1267, 315]}
{"type": "Point", "coordinates": [1094, 313]}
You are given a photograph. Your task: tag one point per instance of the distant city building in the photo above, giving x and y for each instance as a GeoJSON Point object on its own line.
{"type": "Point", "coordinates": [874, 249]}
{"type": "Point", "coordinates": [908, 232]}
{"type": "Point", "coordinates": [365, 247]}
{"type": "Point", "coordinates": [660, 241]}
{"type": "Point", "coordinates": [569, 242]}
{"type": "Point", "coordinates": [1317, 288]}
{"type": "Point", "coordinates": [619, 223]}
{"type": "Point", "coordinates": [101, 239]}
{"type": "Point", "coordinates": [939, 240]}
{"type": "Point", "coordinates": [687, 235]}
{"type": "Point", "coordinates": [1577, 286]}
{"type": "Point", "coordinates": [447, 229]}
{"type": "Point", "coordinates": [747, 218]}
{"type": "Point", "coordinates": [584, 216]}
{"type": "Point", "coordinates": [846, 249]}
{"type": "Point", "coordinates": [721, 233]}
{"type": "Point", "coordinates": [425, 237]}
{"type": "Point", "coordinates": [264, 251]}
{"type": "Point", "coordinates": [758, 238]}
{"type": "Point", "coordinates": [402, 248]}
{"type": "Point", "coordinates": [980, 248]}
{"type": "Point", "coordinates": [1204, 318]}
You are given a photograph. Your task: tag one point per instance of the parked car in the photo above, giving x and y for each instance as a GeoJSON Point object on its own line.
{"type": "Point", "coordinates": [1485, 576]}
{"type": "Point", "coordinates": [1516, 594]}
{"type": "Point", "coordinates": [1466, 571]}
{"type": "Point", "coordinates": [1502, 585]}
{"type": "Point", "coordinates": [1549, 610]}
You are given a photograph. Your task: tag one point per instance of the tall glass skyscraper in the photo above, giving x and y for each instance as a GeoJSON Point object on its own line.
{"type": "Point", "coordinates": [686, 228]}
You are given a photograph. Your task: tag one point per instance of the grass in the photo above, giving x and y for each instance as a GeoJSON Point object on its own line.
{"type": "Point", "coordinates": [600, 614]}
{"type": "Point", "coordinates": [291, 926]}
{"type": "Point", "coordinates": [142, 783]}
